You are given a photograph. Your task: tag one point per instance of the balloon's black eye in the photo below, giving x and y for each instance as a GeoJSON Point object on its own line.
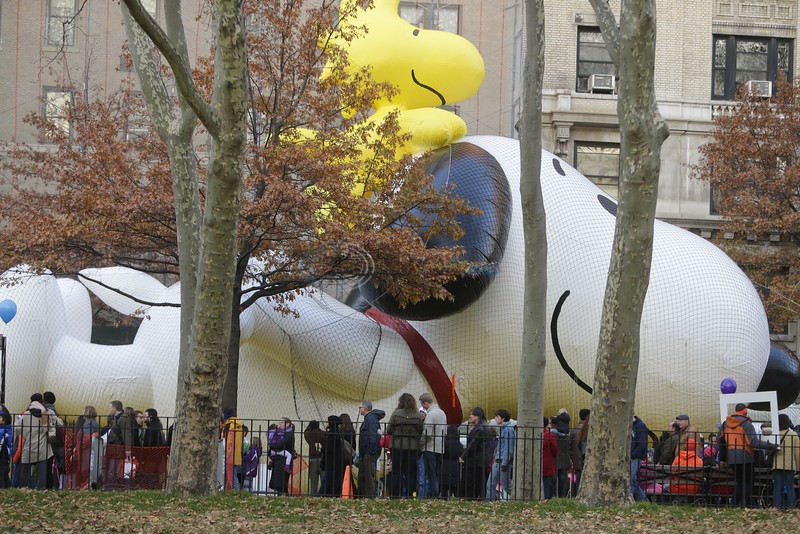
{"type": "Point", "coordinates": [609, 205]}
{"type": "Point", "coordinates": [416, 32]}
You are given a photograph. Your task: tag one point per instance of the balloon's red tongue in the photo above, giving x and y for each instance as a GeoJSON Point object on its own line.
{"type": "Point", "coordinates": [442, 387]}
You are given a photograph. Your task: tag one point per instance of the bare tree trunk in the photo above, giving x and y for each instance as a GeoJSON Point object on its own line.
{"type": "Point", "coordinates": [606, 475]}
{"type": "Point", "coordinates": [204, 355]}
{"type": "Point", "coordinates": [230, 388]}
{"type": "Point", "coordinates": [527, 480]}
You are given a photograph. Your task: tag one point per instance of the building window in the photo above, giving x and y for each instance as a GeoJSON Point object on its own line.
{"type": "Point", "coordinates": [599, 162]}
{"type": "Point", "coordinates": [151, 6]}
{"type": "Point", "coordinates": [137, 128]}
{"type": "Point", "coordinates": [430, 17]}
{"type": "Point", "coordinates": [716, 195]}
{"type": "Point", "coordinates": [593, 58]}
{"type": "Point", "coordinates": [738, 60]}
{"type": "Point", "coordinates": [56, 111]}
{"type": "Point", "coordinates": [61, 16]}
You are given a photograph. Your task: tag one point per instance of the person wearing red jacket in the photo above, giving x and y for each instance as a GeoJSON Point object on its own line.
{"type": "Point", "coordinates": [549, 454]}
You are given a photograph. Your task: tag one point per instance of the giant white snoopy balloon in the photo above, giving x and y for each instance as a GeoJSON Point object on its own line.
{"type": "Point", "coordinates": [702, 320]}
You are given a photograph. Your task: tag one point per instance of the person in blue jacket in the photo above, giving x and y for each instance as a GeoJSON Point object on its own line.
{"type": "Point", "coordinates": [369, 448]}
{"type": "Point", "coordinates": [6, 447]}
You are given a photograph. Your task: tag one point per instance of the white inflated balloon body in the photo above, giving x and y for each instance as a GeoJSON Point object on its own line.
{"type": "Point", "coordinates": [702, 322]}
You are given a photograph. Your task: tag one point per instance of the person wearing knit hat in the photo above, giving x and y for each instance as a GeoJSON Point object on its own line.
{"type": "Point", "coordinates": [740, 439]}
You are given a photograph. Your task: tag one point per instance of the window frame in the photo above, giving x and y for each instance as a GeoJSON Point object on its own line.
{"type": "Point", "coordinates": [578, 78]}
{"type": "Point", "coordinates": [596, 178]}
{"type": "Point", "coordinates": [46, 103]}
{"type": "Point", "coordinates": [66, 36]}
{"type": "Point", "coordinates": [731, 54]}
{"type": "Point", "coordinates": [427, 15]}
{"type": "Point", "coordinates": [153, 12]}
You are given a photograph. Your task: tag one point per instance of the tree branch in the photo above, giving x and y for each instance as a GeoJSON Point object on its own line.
{"type": "Point", "coordinates": [176, 60]}
{"type": "Point", "coordinates": [128, 295]}
{"type": "Point", "coordinates": [608, 27]}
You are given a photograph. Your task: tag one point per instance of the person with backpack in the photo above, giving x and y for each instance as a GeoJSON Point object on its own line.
{"type": "Point", "coordinates": [739, 438]}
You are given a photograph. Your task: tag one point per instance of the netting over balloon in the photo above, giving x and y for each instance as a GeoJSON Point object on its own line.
{"type": "Point", "coordinates": [703, 322]}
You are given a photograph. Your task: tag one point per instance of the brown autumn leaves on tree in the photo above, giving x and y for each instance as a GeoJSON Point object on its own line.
{"type": "Point", "coordinates": [103, 195]}
{"type": "Point", "coordinates": [753, 166]}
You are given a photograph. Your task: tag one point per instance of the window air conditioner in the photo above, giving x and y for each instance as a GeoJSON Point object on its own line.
{"type": "Point", "coordinates": [760, 87]}
{"type": "Point", "coordinates": [602, 83]}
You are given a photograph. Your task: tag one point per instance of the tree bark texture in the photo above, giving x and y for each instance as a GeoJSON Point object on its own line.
{"type": "Point", "coordinates": [534, 338]}
{"type": "Point", "coordinates": [194, 450]}
{"type": "Point", "coordinates": [606, 475]}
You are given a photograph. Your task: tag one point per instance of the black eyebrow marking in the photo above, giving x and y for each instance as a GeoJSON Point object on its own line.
{"type": "Point", "coordinates": [557, 167]}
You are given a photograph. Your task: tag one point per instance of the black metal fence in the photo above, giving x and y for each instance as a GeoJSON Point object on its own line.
{"type": "Point", "coordinates": [280, 457]}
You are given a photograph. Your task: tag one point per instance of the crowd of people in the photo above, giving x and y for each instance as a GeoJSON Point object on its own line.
{"type": "Point", "coordinates": [691, 460]}
{"type": "Point", "coordinates": [414, 453]}
{"type": "Point", "coordinates": [37, 446]}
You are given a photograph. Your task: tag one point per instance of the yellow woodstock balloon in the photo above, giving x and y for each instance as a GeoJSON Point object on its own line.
{"type": "Point", "coordinates": [429, 67]}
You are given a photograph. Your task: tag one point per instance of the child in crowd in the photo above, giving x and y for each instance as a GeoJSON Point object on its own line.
{"type": "Point", "coordinates": [250, 462]}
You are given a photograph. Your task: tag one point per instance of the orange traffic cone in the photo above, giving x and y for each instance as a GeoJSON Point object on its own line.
{"type": "Point", "coordinates": [347, 484]}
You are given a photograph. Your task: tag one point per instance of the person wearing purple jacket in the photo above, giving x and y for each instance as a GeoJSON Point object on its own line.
{"type": "Point", "coordinates": [281, 455]}
{"type": "Point", "coordinates": [638, 453]}
{"type": "Point", "coordinates": [250, 461]}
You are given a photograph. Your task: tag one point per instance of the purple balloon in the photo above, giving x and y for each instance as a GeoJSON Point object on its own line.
{"type": "Point", "coordinates": [728, 385]}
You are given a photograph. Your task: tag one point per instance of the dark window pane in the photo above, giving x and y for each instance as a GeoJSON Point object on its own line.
{"type": "Point", "coordinates": [720, 52]}
{"type": "Point", "coordinates": [591, 37]}
{"type": "Point", "coordinates": [783, 56]}
{"type": "Point", "coordinates": [587, 68]}
{"type": "Point", "coordinates": [752, 62]}
{"type": "Point", "coordinates": [751, 47]}
{"type": "Point", "coordinates": [594, 52]}
{"type": "Point", "coordinates": [719, 83]}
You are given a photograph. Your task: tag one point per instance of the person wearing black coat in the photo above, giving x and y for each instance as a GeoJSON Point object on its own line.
{"type": "Point", "coordinates": [154, 432]}
{"type": "Point", "coordinates": [451, 467]}
{"type": "Point", "coordinates": [332, 462]}
{"type": "Point", "coordinates": [152, 470]}
{"type": "Point", "coordinates": [476, 456]}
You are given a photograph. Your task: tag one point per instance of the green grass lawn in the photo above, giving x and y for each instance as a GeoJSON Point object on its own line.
{"type": "Point", "coordinates": [151, 511]}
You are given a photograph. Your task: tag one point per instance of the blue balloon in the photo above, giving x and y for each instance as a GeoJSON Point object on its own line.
{"type": "Point", "coordinates": [8, 309]}
{"type": "Point", "coordinates": [727, 386]}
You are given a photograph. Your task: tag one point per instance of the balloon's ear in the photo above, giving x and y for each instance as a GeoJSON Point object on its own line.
{"type": "Point", "coordinates": [127, 291]}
